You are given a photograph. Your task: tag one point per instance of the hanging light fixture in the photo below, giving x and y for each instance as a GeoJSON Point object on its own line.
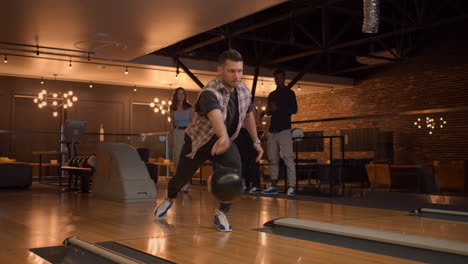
{"type": "Point", "coordinates": [161, 106]}
{"type": "Point", "coordinates": [430, 124]}
{"type": "Point", "coordinates": [55, 99]}
{"type": "Point", "coordinates": [126, 69]}
{"type": "Point", "coordinates": [70, 64]}
{"type": "Point", "coordinates": [177, 71]}
{"type": "Point", "coordinates": [5, 60]}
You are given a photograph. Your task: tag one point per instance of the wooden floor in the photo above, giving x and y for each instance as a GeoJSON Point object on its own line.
{"type": "Point", "coordinates": [44, 216]}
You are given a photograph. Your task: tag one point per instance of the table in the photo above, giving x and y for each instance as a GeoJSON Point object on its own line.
{"type": "Point", "coordinates": [48, 165]}
{"type": "Point", "coordinates": [84, 174]}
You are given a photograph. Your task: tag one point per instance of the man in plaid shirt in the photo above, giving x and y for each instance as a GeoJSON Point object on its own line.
{"type": "Point", "coordinates": [222, 108]}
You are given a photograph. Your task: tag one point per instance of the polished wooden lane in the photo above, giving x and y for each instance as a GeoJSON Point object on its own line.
{"type": "Point", "coordinates": [246, 246]}
{"type": "Point", "coordinates": [44, 216]}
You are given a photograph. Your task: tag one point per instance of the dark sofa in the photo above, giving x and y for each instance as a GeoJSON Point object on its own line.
{"type": "Point", "coordinates": [15, 174]}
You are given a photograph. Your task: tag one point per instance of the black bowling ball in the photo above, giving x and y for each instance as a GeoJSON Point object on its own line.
{"type": "Point", "coordinates": [226, 184]}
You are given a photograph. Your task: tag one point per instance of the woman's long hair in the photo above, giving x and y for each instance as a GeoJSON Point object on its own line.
{"type": "Point", "coordinates": [175, 100]}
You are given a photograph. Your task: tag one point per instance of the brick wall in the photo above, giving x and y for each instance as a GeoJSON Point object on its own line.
{"type": "Point", "coordinates": [391, 95]}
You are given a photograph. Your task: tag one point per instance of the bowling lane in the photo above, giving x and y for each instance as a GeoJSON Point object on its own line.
{"type": "Point", "coordinates": [247, 246]}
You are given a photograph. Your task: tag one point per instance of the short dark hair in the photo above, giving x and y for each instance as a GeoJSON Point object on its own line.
{"type": "Point", "coordinates": [278, 71]}
{"type": "Point", "coordinates": [230, 54]}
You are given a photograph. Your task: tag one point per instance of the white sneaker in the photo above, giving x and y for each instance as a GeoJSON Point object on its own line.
{"type": "Point", "coordinates": [162, 209]}
{"type": "Point", "coordinates": [220, 222]}
{"type": "Point", "coordinates": [254, 191]}
{"type": "Point", "coordinates": [186, 187]}
{"type": "Point", "coordinates": [291, 192]}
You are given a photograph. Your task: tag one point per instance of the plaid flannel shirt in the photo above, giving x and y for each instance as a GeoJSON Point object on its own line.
{"type": "Point", "coordinates": [200, 129]}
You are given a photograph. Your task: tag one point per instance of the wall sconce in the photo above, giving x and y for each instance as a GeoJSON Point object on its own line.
{"type": "Point", "coordinates": [430, 123]}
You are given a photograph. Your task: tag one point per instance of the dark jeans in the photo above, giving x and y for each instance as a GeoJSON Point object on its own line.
{"type": "Point", "coordinates": [252, 177]}
{"type": "Point", "coordinates": [187, 166]}
{"type": "Point", "coordinates": [250, 168]}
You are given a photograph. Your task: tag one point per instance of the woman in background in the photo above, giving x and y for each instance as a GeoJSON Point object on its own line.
{"type": "Point", "coordinates": [181, 114]}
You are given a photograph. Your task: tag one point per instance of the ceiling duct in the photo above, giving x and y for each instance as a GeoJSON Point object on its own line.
{"type": "Point", "coordinates": [371, 9]}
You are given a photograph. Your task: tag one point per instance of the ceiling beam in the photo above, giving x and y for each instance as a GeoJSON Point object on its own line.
{"type": "Point", "coordinates": [305, 70]}
{"type": "Point", "coordinates": [370, 39]}
{"type": "Point", "coordinates": [403, 10]}
{"type": "Point", "coordinates": [359, 14]}
{"type": "Point", "coordinates": [309, 35]}
{"type": "Point", "coordinates": [271, 41]}
{"type": "Point", "coordinates": [361, 54]}
{"type": "Point", "coordinates": [189, 73]}
{"type": "Point", "coordinates": [265, 23]}
{"type": "Point", "coordinates": [254, 84]}
{"type": "Point", "coordinates": [360, 68]}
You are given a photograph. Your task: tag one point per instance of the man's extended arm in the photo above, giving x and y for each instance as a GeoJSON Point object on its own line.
{"type": "Point", "coordinates": [217, 123]}
{"type": "Point", "coordinates": [249, 124]}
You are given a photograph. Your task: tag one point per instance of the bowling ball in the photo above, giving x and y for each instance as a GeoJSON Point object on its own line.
{"type": "Point", "coordinates": [226, 184]}
{"type": "Point", "coordinates": [78, 161]}
{"type": "Point", "coordinates": [84, 164]}
{"type": "Point", "coordinates": [92, 161]}
{"type": "Point", "coordinates": [74, 161]}
{"type": "Point", "coordinates": [297, 134]}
